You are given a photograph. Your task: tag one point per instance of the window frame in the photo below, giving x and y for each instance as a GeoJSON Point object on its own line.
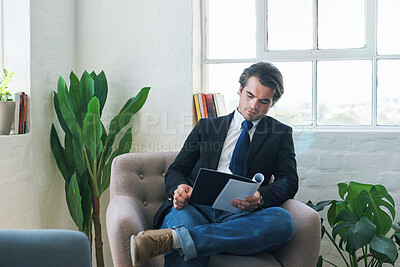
{"type": "Point", "coordinates": [369, 52]}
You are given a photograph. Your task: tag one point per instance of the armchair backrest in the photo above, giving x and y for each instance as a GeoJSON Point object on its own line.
{"type": "Point", "coordinates": [141, 177]}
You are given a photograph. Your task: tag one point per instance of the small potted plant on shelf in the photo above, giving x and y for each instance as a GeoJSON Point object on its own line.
{"type": "Point", "coordinates": [7, 105]}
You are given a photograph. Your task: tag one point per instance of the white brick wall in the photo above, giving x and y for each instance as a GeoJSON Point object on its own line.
{"type": "Point", "coordinates": [327, 158]}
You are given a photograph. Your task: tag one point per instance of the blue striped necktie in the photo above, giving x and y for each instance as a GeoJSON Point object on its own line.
{"type": "Point", "coordinates": [241, 148]}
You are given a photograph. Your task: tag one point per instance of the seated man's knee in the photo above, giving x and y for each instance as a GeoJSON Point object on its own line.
{"type": "Point", "coordinates": [284, 225]}
{"type": "Point", "coordinates": [186, 216]}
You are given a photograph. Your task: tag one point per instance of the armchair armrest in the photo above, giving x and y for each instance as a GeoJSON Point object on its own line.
{"type": "Point", "coordinates": [124, 218]}
{"type": "Point", "coordinates": [303, 248]}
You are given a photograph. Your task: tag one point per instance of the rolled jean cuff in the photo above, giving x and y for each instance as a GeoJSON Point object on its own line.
{"type": "Point", "coordinates": [188, 247]}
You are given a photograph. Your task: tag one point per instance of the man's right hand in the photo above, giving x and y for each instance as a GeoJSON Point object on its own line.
{"type": "Point", "coordinates": [182, 195]}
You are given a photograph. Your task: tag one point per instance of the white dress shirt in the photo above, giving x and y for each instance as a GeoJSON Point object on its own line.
{"type": "Point", "coordinates": [232, 136]}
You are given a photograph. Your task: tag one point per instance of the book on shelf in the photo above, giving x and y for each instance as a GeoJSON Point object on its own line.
{"type": "Point", "coordinates": [196, 107]}
{"type": "Point", "coordinates": [21, 104]}
{"type": "Point", "coordinates": [210, 105]}
{"type": "Point", "coordinates": [220, 107]}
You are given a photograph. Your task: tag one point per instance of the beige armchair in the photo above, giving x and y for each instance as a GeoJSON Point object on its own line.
{"type": "Point", "coordinates": [137, 191]}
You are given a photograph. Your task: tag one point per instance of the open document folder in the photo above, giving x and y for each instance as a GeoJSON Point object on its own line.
{"type": "Point", "coordinates": [218, 189]}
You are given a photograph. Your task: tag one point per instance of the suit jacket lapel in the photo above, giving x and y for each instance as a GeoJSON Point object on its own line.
{"type": "Point", "coordinates": [261, 132]}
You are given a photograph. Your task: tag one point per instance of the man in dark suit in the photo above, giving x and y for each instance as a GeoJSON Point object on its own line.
{"type": "Point", "coordinates": [245, 142]}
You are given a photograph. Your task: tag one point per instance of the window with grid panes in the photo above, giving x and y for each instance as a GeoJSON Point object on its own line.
{"type": "Point", "coordinates": [340, 59]}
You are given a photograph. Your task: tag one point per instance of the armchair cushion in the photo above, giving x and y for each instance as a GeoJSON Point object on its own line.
{"type": "Point", "coordinates": [38, 248]}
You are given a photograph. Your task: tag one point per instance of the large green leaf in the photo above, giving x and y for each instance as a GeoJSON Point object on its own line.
{"type": "Point", "coordinates": [101, 89]}
{"type": "Point", "coordinates": [74, 93]}
{"type": "Point", "coordinates": [354, 189]}
{"type": "Point", "coordinates": [131, 107]}
{"type": "Point", "coordinates": [86, 91]}
{"type": "Point", "coordinates": [357, 233]}
{"type": "Point", "coordinates": [74, 202]}
{"type": "Point", "coordinates": [335, 209]}
{"type": "Point", "coordinates": [320, 205]}
{"type": "Point", "coordinates": [58, 152]}
{"type": "Point", "coordinates": [92, 130]}
{"type": "Point", "coordinates": [93, 75]}
{"type": "Point", "coordinates": [69, 152]}
{"type": "Point", "coordinates": [79, 158]}
{"type": "Point", "coordinates": [384, 249]}
{"type": "Point", "coordinates": [124, 147]}
{"type": "Point", "coordinates": [342, 189]}
{"type": "Point", "coordinates": [396, 228]}
{"type": "Point", "coordinates": [371, 204]}
{"type": "Point", "coordinates": [59, 115]}
{"type": "Point", "coordinates": [67, 109]}
{"type": "Point", "coordinates": [86, 194]}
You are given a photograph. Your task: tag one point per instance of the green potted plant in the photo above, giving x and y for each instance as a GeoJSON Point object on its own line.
{"type": "Point", "coordinates": [86, 156]}
{"type": "Point", "coordinates": [362, 225]}
{"type": "Point", "coordinates": [7, 105]}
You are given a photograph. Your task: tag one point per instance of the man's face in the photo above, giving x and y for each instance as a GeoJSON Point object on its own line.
{"type": "Point", "coordinates": [255, 99]}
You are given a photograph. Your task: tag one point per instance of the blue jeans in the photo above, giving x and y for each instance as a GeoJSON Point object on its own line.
{"type": "Point", "coordinates": [204, 231]}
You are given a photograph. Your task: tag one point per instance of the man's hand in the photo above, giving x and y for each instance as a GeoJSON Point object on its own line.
{"type": "Point", "coordinates": [182, 195]}
{"type": "Point", "coordinates": [249, 203]}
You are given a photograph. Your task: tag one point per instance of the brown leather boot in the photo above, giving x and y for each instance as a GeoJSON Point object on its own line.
{"type": "Point", "coordinates": [148, 244]}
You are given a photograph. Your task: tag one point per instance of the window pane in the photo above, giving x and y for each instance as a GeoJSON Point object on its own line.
{"type": "Point", "coordinates": [231, 29]}
{"type": "Point", "coordinates": [224, 79]}
{"type": "Point", "coordinates": [295, 106]}
{"type": "Point", "coordinates": [341, 24]}
{"type": "Point", "coordinates": [290, 24]}
{"type": "Point", "coordinates": [388, 27]}
{"type": "Point", "coordinates": [344, 92]}
{"type": "Point", "coordinates": [388, 92]}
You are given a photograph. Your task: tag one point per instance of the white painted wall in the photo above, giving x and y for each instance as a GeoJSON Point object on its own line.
{"type": "Point", "coordinates": [38, 45]}
{"type": "Point", "coordinates": [140, 43]}
{"type": "Point", "coordinates": [137, 44]}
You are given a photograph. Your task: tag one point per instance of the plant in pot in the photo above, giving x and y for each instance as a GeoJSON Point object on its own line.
{"type": "Point", "coordinates": [362, 225]}
{"type": "Point", "coordinates": [7, 105]}
{"type": "Point", "coordinates": [86, 156]}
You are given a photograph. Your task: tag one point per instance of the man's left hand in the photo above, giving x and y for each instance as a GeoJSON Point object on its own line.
{"type": "Point", "coordinates": [249, 203]}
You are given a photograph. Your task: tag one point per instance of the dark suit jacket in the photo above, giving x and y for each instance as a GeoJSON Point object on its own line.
{"type": "Point", "coordinates": [271, 152]}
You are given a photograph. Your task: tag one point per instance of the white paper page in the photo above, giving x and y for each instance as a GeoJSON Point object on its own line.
{"type": "Point", "coordinates": [235, 189]}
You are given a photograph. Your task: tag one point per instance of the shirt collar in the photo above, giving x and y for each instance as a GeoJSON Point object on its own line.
{"type": "Point", "coordinates": [238, 119]}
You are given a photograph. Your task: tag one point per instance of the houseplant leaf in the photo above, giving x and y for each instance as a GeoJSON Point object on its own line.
{"type": "Point", "coordinates": [86, 91]}
{"type": "Point", "coordinates": [124, 147]}
{"type": "Point", "coordinates": [67, 109]}
{"type": "Point", "coordinates": [58, 152]}
{"type": "Point", "coordinates": [79, 158]}
{"type": "Point", "coordinates": [59, 115]}
{"type": "Point", "coordinates": [320, 205]}
{"type": "Point", "coordinates": [130, 108]}
{"type": "Point", "coordinates": [384, 249]}
{"type": "Point", "coordinates": [101, 89]}
{"type": "Point", "coordinates": [342, 189]}
{"type": "Point", "coordinates": [86, 194]}
{"type": "Point", "coordinates": [75, 92]}
{"type": "Point", "coordinates": [92, 130]}
{"type": "Point", "coordinates": [69, 153]}
{"type": "Point", "coordinates": [358, 233]}
{"type": "Point", "coordinates": [74, 202]}
{"type": "Point", "coordinates": [370, 204]}
{"type": "Point", "coordinates": [396, 228]}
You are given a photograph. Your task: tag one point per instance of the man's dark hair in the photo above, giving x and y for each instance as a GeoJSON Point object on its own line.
{"type": "Point", "coordinates": [267, 74]}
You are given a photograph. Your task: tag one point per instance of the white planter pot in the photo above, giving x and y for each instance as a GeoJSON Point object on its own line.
{"type": "Point", "coordinates": [7, 111]}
